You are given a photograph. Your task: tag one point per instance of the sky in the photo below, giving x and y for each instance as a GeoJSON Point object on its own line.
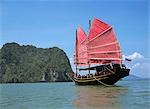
{"type": "Point", "coordinates": [48, 23]}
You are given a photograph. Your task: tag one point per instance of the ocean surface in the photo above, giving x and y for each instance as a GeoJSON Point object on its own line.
{"type": "Point", "coordinates": [131, 94]}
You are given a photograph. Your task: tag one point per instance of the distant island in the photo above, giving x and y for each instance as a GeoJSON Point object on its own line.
{"type": "Point", "coordinates": [133, 77]}
{"type": "Point", "coordinates": [21, 64]}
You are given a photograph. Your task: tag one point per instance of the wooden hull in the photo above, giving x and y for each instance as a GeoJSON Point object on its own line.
{"type": "Point", "coordinates": [108, 79]}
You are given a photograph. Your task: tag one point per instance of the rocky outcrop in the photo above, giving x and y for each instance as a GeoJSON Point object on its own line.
{"type": "Point", "coordinates": [28, 64]}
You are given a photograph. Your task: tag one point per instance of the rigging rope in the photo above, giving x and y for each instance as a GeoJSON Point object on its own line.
{"type": "Point", "coordinates": [70, 77]}
{"type": "Point", "coordinates": [110, 70]}
{"type": "Point", "coordinates": [102, 82]}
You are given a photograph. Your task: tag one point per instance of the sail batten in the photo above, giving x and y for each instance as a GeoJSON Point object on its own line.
{"type": "Point", "coordinates": [106, 59]}
{"type": "Point", "coordinates": [109, 44]}
{"type": "Point", "coordinates": [103, 52]}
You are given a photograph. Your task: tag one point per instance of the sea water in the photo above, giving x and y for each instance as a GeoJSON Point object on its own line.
{"type": "Point", "coordinates": [131, 94]}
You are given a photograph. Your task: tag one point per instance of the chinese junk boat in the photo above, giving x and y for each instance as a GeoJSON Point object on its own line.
{"type": "Point", "coordinates": [99, 54]}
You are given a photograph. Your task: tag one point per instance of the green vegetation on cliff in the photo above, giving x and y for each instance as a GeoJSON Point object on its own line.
{"type": "Point", "coordinates": [28, 64]}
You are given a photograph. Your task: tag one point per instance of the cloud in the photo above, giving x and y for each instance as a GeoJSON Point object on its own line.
{"type": "Point", "coordinates": [133, 56]}
{"type": "Point", "coordinates": [140, 65]}
{"type": "Point", "coordinates": [136, 65]}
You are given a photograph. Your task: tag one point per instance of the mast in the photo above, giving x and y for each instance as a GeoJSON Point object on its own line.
{"type": "Point", "coordinates": [88, 59]}
{"type": "Point", "coordinates": [76, 52]}
{"type": "Point", "coordinates": [89, 24]}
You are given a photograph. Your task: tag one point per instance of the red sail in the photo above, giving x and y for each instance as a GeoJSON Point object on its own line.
{"type": "Point", "coordinates": [80, 55]}
{"type": "Point", "coordinates": [102, 45]}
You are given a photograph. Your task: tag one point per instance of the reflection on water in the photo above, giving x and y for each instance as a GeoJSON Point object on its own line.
{"type": "Point", "coordinates": [98, 97]}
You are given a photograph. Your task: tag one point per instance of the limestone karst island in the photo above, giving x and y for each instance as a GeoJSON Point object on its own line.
{"type": "Point", "coordinates": [26, 63]}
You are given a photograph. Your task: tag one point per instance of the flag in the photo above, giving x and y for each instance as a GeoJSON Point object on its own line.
{"type": "Point", "coordinates": [126, 59]}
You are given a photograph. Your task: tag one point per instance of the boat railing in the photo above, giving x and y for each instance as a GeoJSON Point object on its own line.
{"type": "Point", "coordinates": [103, 73]}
